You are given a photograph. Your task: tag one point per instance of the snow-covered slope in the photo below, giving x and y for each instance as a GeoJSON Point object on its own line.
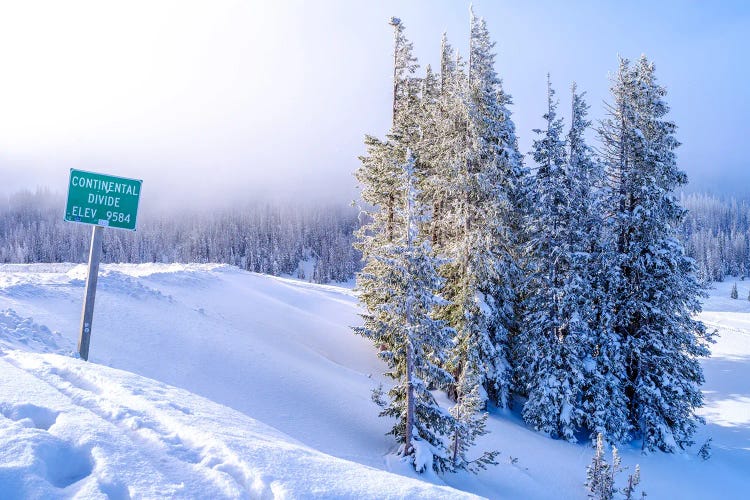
{"type": "Point", "coordinates": [277, 351]}
{"type": "Point", "coordinates": [234, 384]}
{"type": "Point", "coordinates": [87, 430]}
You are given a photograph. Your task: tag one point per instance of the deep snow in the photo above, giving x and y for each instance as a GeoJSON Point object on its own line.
{"type": "Point", "coordinates": [280, 402]}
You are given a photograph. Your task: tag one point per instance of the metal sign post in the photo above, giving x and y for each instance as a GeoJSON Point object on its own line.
{"type": "Point", "coordinates": [103, 201]}
{"type": "Point", "coordinates": [87, 315]}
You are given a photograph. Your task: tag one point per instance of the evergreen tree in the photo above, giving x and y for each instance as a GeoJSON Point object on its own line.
{"type": "Point", "coordinates": [485, 168]}
{"type": "Point", "coordinates": [555, 333]}
{"type": "Point", "coordinates": [634, 480]}
{"type": "Point", "coordinates": [657, 293]}
{"type": "Point", "coordinates": [600, 475]}
{"type": "Point", "coordinates": [593, 278]}
{"type": "Point", "coordinates": [469, 423]}
{"type": "Point", "coordinates": [734, 293]}
{"type": "Point", "coordinates": [381, 182]}
{"type": "Point", "coordinates": [444, 145]}
{"type": "Point", "coordinates": [379, 177]}
{"type": "Point", "coordinates": [414, 344]}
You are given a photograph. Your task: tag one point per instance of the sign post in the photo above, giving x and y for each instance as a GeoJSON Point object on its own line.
{"type": "Point", "coordinates": [102, 201]}
{"type": "Point", "coordinates": [87, 315]}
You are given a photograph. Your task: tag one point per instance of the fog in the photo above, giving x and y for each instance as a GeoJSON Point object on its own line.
{"type": "Point", "coordinates": [214, 102]}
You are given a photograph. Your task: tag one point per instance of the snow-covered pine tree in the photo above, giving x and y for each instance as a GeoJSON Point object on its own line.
{"type": "Point", "coordinates": [469, 423]}
{"type": "Point", "coordinates": [414, 343]}
{"type": "Point", "coordinates": [658, 293]}
{"type": "Point", "coordinates": [634, 480]}
{"type": "Point", "coordinates": [378, 176]}
{"type": "Point", "coordinates": [430, 175]}
{"type": "Point", "coordinates": [600, 475]}
{"type": "Point", "coordinates": [481, 277]}
{"type": "Point", "coordinates": [406, 88]}
{"type": "Point", "coordinates": [555, 333]}
{"type": "Point", "coordinates": [399, 278]}
{"type": "Point", "coordinates": [593, 278]}
{"type": "Point", "coordinates": [381, 182]}
{"type": "Point", "coordinates": [733, 294]}
{"type": "Point", "coordinates": [444, 144]}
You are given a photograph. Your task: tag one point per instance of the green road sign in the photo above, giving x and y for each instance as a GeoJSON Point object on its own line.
{"type": "Point", "coordinates": [102, 200]}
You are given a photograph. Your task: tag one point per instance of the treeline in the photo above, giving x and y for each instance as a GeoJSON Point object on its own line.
{"type": "Point", "coordinates": [716, 233]}
{"type": "Point", "coordinates": [313, 243]}
{"type": "Point", "coordinates": [561, 288]}
{"type": "Point", "coordinates": [307, 240]}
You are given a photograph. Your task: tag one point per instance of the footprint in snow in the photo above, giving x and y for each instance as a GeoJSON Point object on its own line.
{"type": "Point", "coordinates": [30, 415]}
{"type": "Point", "coordinates": [64, 464]}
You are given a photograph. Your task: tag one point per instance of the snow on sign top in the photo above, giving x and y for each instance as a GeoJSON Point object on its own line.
{"type": "Point", "coordinates": [102, 200]}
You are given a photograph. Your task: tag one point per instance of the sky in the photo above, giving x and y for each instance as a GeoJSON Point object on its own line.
{"type": "Point", "coordinates": [214, 102]}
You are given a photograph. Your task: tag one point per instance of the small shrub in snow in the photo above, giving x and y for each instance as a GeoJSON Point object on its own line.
{"type": "Point", "coordinates": [705, 450]}
{"type": "Point", "coordinates": [633, 480]}
{"type": "Point", "coordinates": [734, 291]}
{"type": "Point", "coordinates": [378, 396]}
{"type": "Point", "coordinates": [601, 475]}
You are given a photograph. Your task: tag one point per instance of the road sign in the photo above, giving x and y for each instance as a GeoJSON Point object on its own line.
{"type": "Point", "coordinates": [102, 200]}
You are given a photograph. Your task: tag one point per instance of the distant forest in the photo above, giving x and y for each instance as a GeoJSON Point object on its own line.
{"type": "Point", "coordinates": [308, 241]}
{"type": "Point", "coordinates": [716, 233]}
{"type": "Point", "coordinates": [305, 240]}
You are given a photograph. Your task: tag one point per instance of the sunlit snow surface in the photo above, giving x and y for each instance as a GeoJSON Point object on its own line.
{"type": "Point", "coordinates": [233, 384]}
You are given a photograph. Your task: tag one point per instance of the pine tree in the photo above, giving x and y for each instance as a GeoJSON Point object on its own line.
{"type": "Point", "coordinates": [657, 293]}
{"type": "Point", "coordinates": [381, 182]}
{"type": "Point", "coordinates": [437, 124]}
{"type": "Point", "coordinates": [469, 423]}
{"type": "Point", "coordinates": [600, 475]}
{"type": "Point", "coordinates": [562, 320]}
{"type": "Point", "coordinates": [734, 293]}
{"type": "Point", "coordinates": [466, 311]}
{"type": "Point", "coordinates": [634, 480]}
{"type": "Point", "coordinates": [414, 343]}
{"type": "Point", "coordinates": [485, 167]}
{"type": "Point", "coordinates": [398, 281]}
{"type": "Point", "coordinates": [406, 88]}
{"type": "Point", "coordinates": [379, 176]}
{"type": "Point", "coordinates": [442, 142]}
{"type": "Point", "coordinates": [593, 278]}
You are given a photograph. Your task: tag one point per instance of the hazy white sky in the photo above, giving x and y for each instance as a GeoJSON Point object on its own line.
{"type": "Point", "coordinates": [228, 98]}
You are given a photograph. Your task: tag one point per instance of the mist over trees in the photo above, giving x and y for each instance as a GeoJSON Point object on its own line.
{"type": "Point", "coordinates": [715, 233]}
{"type": "Point", "coordinates": [305, 240]}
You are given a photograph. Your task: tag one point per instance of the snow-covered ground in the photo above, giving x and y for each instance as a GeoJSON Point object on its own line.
{"type": "Point", "coordinates": [205, 381]}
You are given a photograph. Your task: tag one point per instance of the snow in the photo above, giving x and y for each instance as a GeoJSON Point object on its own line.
{"type": "Point", "coordinates": [87, 430]}
{"type": "Point", "coordinates": [205, 381]}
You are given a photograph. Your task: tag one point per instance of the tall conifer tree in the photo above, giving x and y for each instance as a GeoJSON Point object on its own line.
{"type": "Point", "coordinates": [486, 169]}
{"type": "Point", "coordinates": [555, 334]}
{"type": "Point", "coordinates": [399, 279]}
{"type": "Point", "coordinates": [657, 292]}
{"type": "Point", "coordinates": [381, 183]}
{"type": "Point", "coordinates": [415, 344]}
{"type": "Point", "coordinates": [604, 408]}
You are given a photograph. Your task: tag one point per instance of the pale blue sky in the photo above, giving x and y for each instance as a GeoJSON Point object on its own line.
{"type": "Point", "coordinates": [228, 98]}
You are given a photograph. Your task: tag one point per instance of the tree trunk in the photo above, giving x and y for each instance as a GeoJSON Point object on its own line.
{"type": "Point", "coordinates": [408, 448]}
